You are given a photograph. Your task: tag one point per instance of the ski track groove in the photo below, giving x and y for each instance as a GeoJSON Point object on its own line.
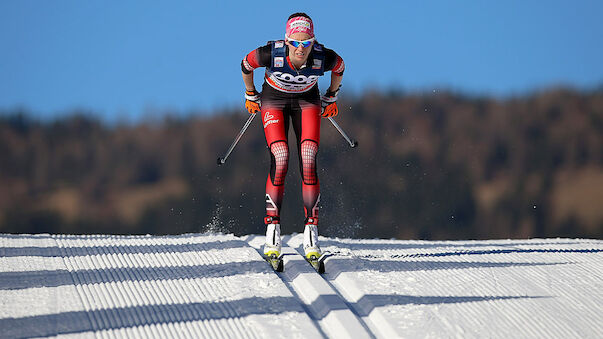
{"type": "Point", "coordinates": [357, 316]}
{"type": "Point", "coordinates": [124, 286]}
{"type": "Point", "coordinates": [181, 287]}
{"type": "Point", "coordinates": [137, 287]}
{"type": "Point", "coordinates": [374, 320]}
{"type": "Point", "coordinates": [299, 277]}
{"type": "Point", "coordinates": [176, 288]}
{"type": "Point", "coordinates": [219, 306]}
{"type": "Point", "coordinates": [538, 282]}
{"type": "Point", "coordinates": [295, 292]}
{"type": "Point", "coordinates": [236, 325]}
{"type": "Point", "coordinates": [375, 323]}
{"type": "Point", "coordinates": [78, 283]}
{"type": "Point", "coordinates": [178, 262]}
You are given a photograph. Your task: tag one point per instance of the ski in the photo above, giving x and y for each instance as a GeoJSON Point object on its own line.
{"type": "Point", "coordinates": [318, 263]}
{"type": "Point", "coordinates": [276, 262]}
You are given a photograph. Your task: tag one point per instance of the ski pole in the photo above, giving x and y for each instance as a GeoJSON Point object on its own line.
{"type": "Point", "coordinates": [222, 160]}
{"type": "Point", "coordinates": [353, 143]}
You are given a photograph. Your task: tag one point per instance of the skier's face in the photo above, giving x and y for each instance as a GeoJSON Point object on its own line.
{"type": "Point", "coordinates": [299, 54]}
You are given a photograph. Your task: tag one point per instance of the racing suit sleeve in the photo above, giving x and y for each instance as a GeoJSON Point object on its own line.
{"type": "Point", "coordinates": [333, 62]}
{"type": "Point", "coordinates": [259, 57]}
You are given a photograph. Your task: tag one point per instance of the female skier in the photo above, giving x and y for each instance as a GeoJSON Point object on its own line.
{"type": "Point", "coordinates": [290, 93]}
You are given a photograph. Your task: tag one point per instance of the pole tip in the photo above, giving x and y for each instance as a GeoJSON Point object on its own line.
{"type": "Point", "coordinates": [354, 144]}
{"type": "Point", "coordinates": [220, 161]}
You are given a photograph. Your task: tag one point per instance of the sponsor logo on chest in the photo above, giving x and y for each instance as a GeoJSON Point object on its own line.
{"type": "Point", "coordinates": [290, 82]}
{"type": "Point", "coordinates": [294, 80]}
{"type": "Point", "coordinates": [279, 61]}
{"type": "Point", "coordinates": [317, 64]}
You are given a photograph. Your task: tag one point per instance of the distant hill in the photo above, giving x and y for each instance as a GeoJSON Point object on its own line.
{"type": "Point", "coordinates": [432, 166]}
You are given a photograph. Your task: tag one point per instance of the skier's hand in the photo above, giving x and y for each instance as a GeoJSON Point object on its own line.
{"type": "Point", "coordinates": [252, 101]}
{"type": "Point", "coordinates": [329, 104]}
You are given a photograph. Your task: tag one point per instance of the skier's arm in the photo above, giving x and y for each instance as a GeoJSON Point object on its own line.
{"type": "Point", "coordinates": [334, 63]}
{"type": "Point", "coordinates": [248, 64]}
{"type": "Point", "coordinates": [248, 80]}
{"type": "Point", "coordinates": [257, 58]}
{"type": "Point", "coordinates": [335, 82]}
{"type": "Point", "coordinates": [252, 97]}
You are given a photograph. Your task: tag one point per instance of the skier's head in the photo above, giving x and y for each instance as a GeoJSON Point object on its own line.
{"type": "Point", "coordinates": [299, 23]}
{"type": "Point", "coordinates": [299, 35]}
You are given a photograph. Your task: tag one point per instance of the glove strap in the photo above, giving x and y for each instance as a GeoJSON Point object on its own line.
{"type": "Point", "coordinates": [252, 95]}
{"type": "Point", "coordinates": [332, 94]}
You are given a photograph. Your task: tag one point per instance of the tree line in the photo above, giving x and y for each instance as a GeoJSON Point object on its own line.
{"type": "Point", "coordinates": [437, 165]}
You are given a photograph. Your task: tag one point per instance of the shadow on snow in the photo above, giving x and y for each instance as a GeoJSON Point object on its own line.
{"type": "Point", "coordinates": [116, 318]}
{"type": "Point", "coordinates": [30, 279]}
{"type": "Point", "coordinates": [119, 249]}
{"type": "Point", "coordinates": [399, 245]}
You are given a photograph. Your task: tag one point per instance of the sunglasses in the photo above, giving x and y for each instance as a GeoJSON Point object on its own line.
{"type": "Point", "coordinates": [304, 43]}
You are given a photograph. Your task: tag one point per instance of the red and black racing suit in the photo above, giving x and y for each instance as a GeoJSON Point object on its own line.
{"type": "Point", "coordinates": [299, 103]}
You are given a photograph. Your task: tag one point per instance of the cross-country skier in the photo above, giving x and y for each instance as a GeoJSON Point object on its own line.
{"type": "Point", "coordinates": [290, 93]}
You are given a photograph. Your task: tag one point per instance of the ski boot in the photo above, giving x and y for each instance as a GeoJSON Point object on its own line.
{"type": "Point", "coordinates": [311, 248]}
{"type": "Point", "coordinates": [272, 246]}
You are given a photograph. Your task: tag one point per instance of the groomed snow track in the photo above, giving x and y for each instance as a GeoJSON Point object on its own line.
{"type": "Point", "coordinates": [218, 286]}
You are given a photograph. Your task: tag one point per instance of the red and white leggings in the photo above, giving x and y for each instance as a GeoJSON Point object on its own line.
{"type": "Point", "coordinates": [303, 110]}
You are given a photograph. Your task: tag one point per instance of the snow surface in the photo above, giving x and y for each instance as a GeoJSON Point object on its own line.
{"type": "Point", "coordinates": [218, 286]}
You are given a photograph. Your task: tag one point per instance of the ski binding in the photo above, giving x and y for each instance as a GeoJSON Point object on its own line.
{"type": "Point", "coordinates": [276, 262]}
{"type": "Point", "coordinates": [318, 263]}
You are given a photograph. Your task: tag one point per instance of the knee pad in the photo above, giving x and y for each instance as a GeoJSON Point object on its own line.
{"type": "Point", "coordinates": [280, 162]}
{"type": "Point", "coordinates": [309, 149]}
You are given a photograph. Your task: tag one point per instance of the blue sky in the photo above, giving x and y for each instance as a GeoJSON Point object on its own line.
{"type": "Point", "coordinates": [127, 60]}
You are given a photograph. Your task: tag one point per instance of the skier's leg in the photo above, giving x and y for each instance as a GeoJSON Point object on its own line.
{"type": "Point", "coordinates": [306, 122]}
{"type": "Point", "coordinates": [275, 130]}
{"type": "Point", "coordinates": [308, 136]}
{"type": "Point", "coordinates": [276, 139]}
{"type": "Point", "coordinates": [310, 185]}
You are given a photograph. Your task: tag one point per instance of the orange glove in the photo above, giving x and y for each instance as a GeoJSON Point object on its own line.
{"type": "Point", "coordinates": [252, 101]}
{"type": "Point", "coordinates": [329, 104]}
